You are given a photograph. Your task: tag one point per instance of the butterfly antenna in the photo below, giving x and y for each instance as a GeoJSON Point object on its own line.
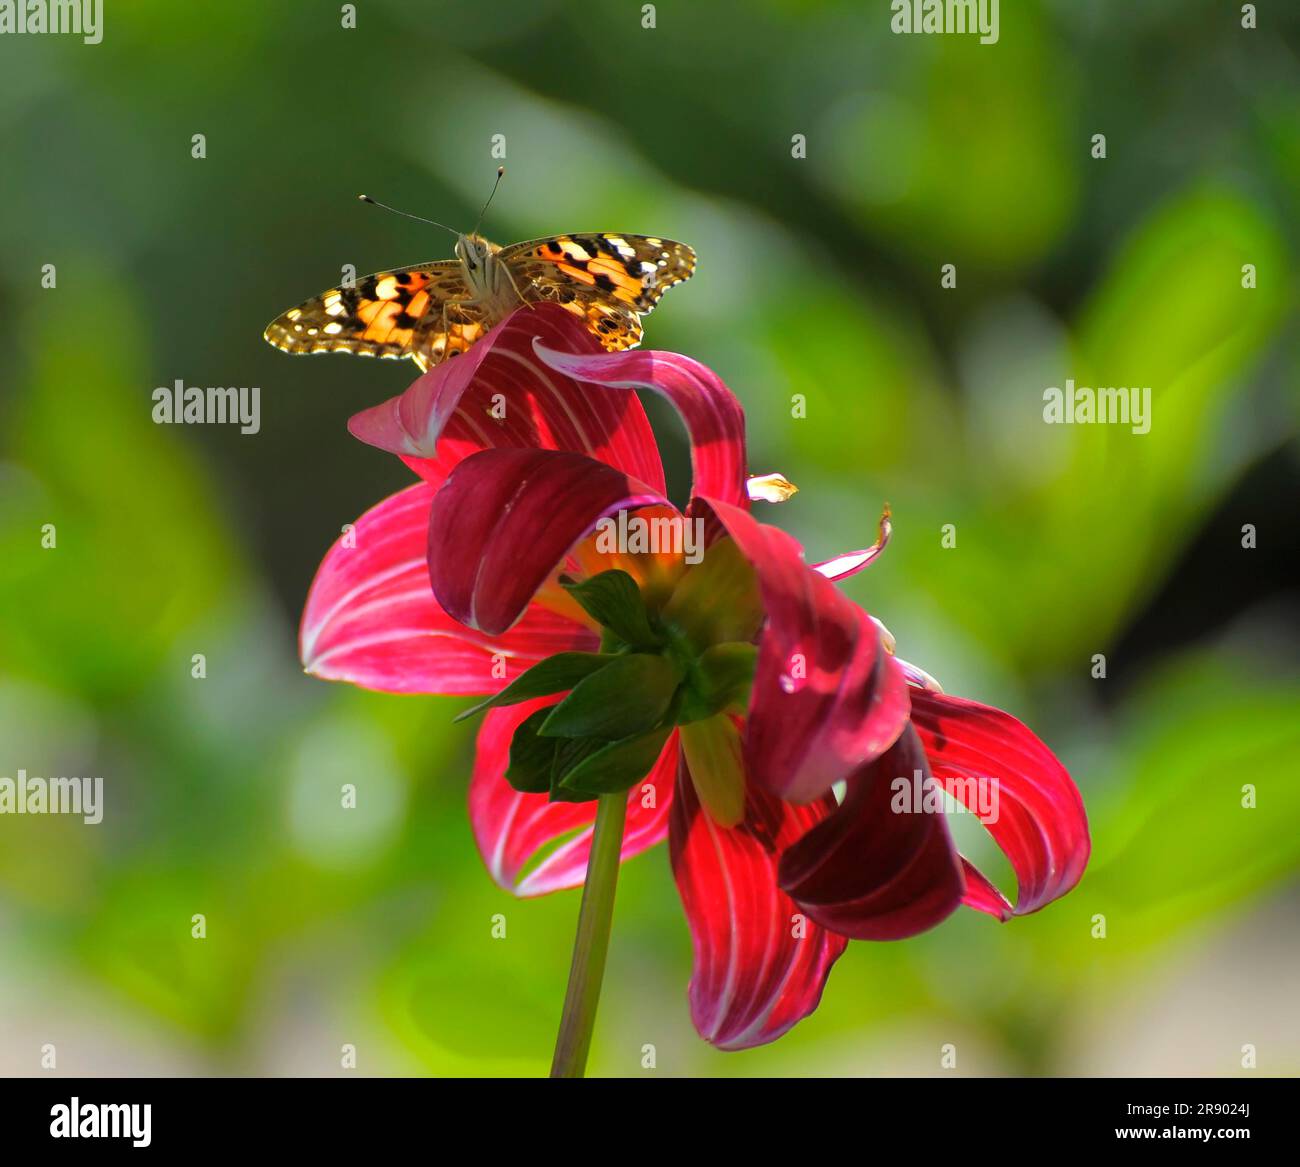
{"type": "Point", "coordinates": [406, 214]}
{"type": "Point", "coordinates": [501, 170]}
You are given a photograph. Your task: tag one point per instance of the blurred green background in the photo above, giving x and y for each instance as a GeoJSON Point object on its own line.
{"type": "Point", "coordinates": [818, 276]}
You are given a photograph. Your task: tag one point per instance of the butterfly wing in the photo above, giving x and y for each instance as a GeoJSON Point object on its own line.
{"type": "Point", "coordinates": [609, 280]}
{"type": "Point", "coordinates": [418, 312]}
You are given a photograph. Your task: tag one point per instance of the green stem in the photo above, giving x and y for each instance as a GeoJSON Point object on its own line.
{"type": "Point", "coordinates": [592, 943]}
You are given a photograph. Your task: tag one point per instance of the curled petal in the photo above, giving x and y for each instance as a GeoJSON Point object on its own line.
{"type": "Point", "coordinates": [371, 617]}
{"type": "Point", "coordinates": [882, 867]}
{"type": "Point", "coordinates": [505, 518]}
{"type": "Point", "coordinates": [827, 697]}
{"type": "Point", "coordinates": [532, 846]}
{"type": "Point", "coordinates": [918, 676]}
{"type": "Point", "coordinates": [498, 394]}
{"type": "Point", "coordinates": [760, 966]}
{"type": "Point", "coordinates": [715, 422]}
{"type": "Point", "coordinates": [981, 755]}
{"type": "Point", "coordinates": [852, 562]}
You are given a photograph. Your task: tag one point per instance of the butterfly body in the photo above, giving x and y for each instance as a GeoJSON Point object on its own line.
{"type": "Point", "coordinates": [434, 311]}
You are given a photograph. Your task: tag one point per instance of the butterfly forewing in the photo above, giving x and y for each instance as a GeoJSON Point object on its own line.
{"type": "Point", "coordinates": [381, 315]}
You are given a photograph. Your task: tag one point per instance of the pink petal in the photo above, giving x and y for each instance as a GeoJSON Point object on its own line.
{"type": "Point", "coordinates": [852, 562]}
{"type": "Point", "coordinates": [877, 869]}
{"type": "Point", "coordinates": [505, 518]}
{"type": "Point", "coordinates": [1041, 824]}
{"type": "Point", "coordinates": [715, 421]}
{"type": "Point", "coordinates": [760, 967]}
{"type": "Point", "coordinates": [500, 395]}
{"type": "Point", "coordinates": [371, 617]}
{"type": "Point", "coordinates": [827, 698]}
{"type": "Point", "coordinates": [513, 830]}
{"type": "Point", "coordinates": [918, 676]}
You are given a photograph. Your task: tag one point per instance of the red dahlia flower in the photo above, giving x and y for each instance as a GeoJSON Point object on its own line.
{"type": "Point", "coordinates": [727, 696]}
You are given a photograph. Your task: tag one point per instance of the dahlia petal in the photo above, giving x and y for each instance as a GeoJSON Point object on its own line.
{"type": "Point", "coordinates": [371, 617]}
{"type": "Point", "coordinates": [827, 698]}
{"type": "Point", "coordinates": [982, 895]}
{"type": "Point", "coordinates": [760, 965]}
{"type": "Point", "coordinates": [852, 562]}
{"type": "Point", "coordinates": [514, 830]}
{"type": "Point", "coordinates": [877, 868]}
{"type": "Point", "coordinates": [504, 519]}
{"type": "Point", "coordinates": [714, 419]}
{"type": "Point", "coordinates": [498, 394]}
{"type": "Point", "coordinates": [1041, 825]}
{"type": "Point", "coordinates": [843, 566]}
{"type": "Point", "coordinates": [918, 676]}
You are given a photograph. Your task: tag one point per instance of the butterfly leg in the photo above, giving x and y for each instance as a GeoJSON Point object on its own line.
{"type": "Point", "coordinates": [515, 286]}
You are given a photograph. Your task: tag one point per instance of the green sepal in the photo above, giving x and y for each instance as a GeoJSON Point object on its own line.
{"type": "Point", "coordinates": [614, 601]}
{"type": "Point", "coordinates": [570, 753]}
{"type": "Point", "coordinates": [616, 765]}
{"type": "Point", "coordinates": [718, 600]}
{"type": "Point", "coordinates": [628, 696]}
{"type": "Point", "coordinates": [553, 675]}
{"type": "Point", "coordinates": [532, 757]}
{"type": "Point", "coordinates": [719, 681]}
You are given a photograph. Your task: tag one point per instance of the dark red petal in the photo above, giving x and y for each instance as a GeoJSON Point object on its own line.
{"type": "Point", "coordinates": [514, 830]}
{"type": "Point", "coordinates": [505, 518]}
{"type": "Point", "coordinates": [760, 966]}
{"type": "Point", "coordinates": [1041, 824]}
{"type": "Point", "coordinates": [371, 617]}
{"type": "Point", "coordinates": [873, 870]}
{"type": "Point", "coordinates": [499, 394]}
{"type": "Point", "coordinates": [715, 421]}
{"type": "Point", "coordinates": [827, 698]}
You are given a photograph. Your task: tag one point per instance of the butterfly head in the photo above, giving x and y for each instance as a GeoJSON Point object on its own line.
{"type": "Point", "coordinates": [473, 252]}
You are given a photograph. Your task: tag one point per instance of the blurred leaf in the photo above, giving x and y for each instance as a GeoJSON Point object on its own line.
{"type": "Point", "coordinates": [140, 552]}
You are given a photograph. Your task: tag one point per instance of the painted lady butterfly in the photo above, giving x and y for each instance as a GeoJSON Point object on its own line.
{"type": "Point", "coordinates": [437, 310]}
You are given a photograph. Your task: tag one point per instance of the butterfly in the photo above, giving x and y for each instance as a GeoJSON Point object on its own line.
{"type": "Point", "coordinates": [437, 310]}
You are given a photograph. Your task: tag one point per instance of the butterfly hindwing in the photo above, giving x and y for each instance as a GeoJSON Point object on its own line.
{"type": "Point", "coordinates": [609, 280]}
{"type": "Point", "coordinates": [379, 316]}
